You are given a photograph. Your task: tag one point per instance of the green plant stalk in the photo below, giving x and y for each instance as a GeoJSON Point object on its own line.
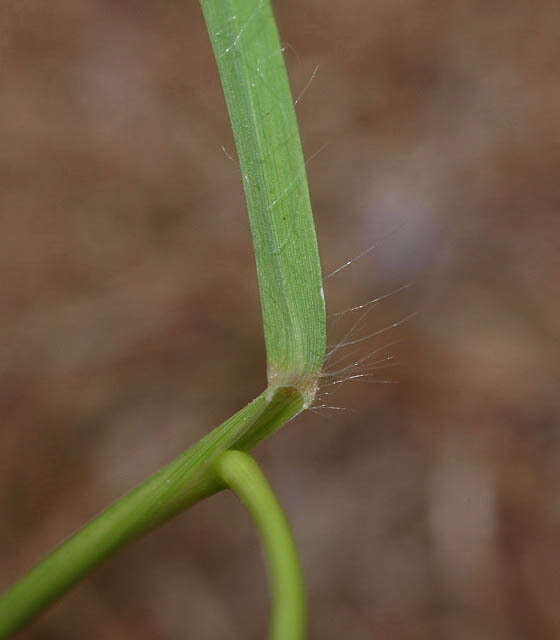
{"type": "Point", "coordinates": [247, 47]}
{"type": "Point", "coordinates": [182, 483]}
{"type": "Point", "coordinates": [253, 73]}
{"type": "Point", "coordinates": [242, 474]}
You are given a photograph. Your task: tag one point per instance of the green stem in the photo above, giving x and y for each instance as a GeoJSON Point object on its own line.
{"type": "Point", "coordinates": [249, 56]}
{"type": "Point", "coordinates": [243, 475]}
{"type": "Point", "coordinates": [182, 483]}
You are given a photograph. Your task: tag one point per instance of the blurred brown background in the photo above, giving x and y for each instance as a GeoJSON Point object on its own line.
{"type": "Point", "coordinates": [130, 324]}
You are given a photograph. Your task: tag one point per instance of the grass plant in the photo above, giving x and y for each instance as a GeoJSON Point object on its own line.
{"type": "Point", "coordinates": [250, 60]}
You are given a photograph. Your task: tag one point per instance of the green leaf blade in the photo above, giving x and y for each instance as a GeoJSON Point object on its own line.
{"type": "Point", "coordinates": [251, 63]}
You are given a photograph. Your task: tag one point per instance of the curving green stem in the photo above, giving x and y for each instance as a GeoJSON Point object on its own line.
{"type": "Point", "coordinates": [242, 474]}
{"type": "Point", "coordinates": [183, 482]}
